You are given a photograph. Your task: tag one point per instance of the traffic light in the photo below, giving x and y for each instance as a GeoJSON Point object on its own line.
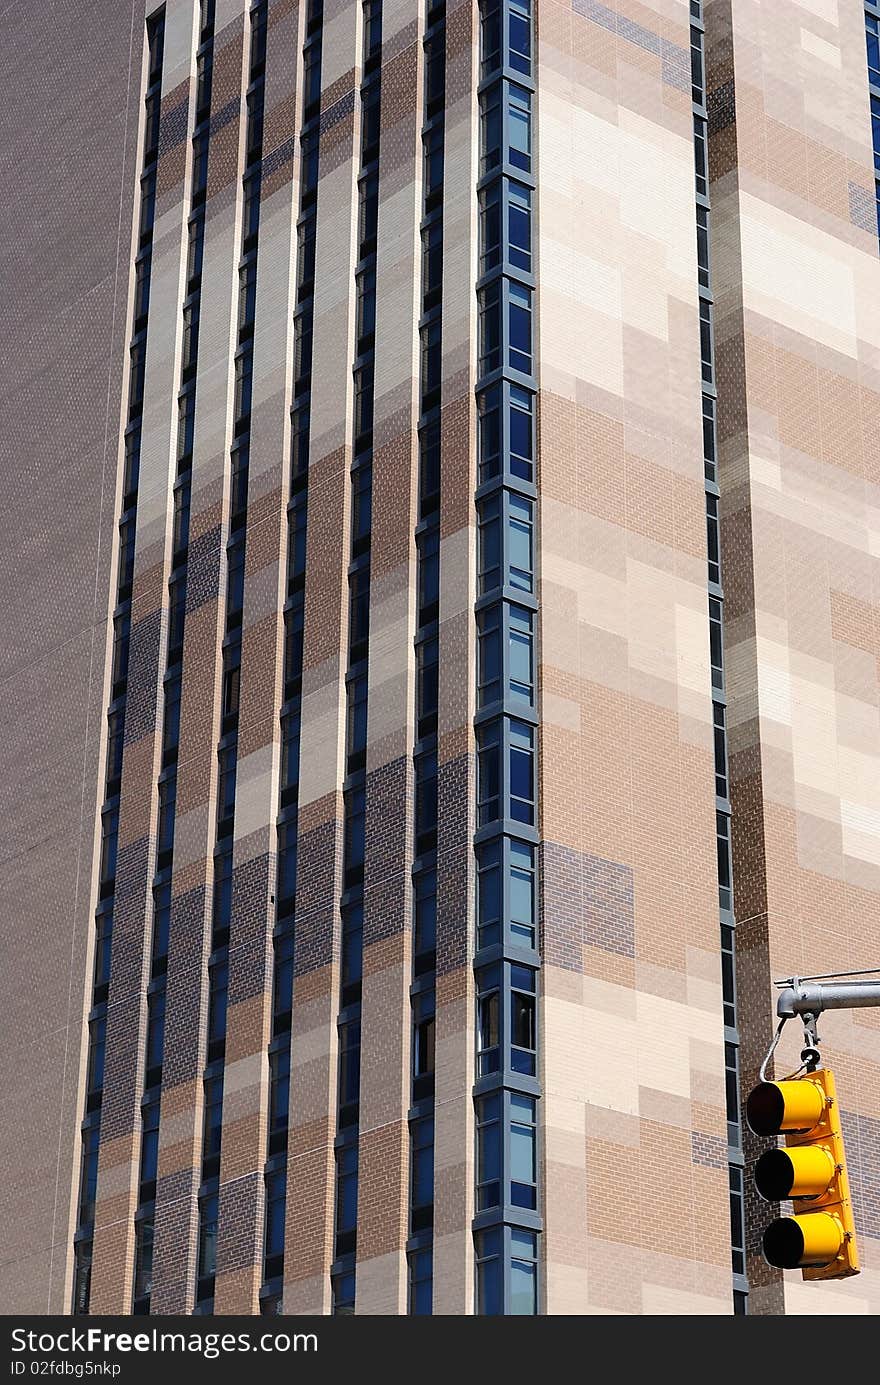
{"type": "Point", "coordinates": [820, 1238]}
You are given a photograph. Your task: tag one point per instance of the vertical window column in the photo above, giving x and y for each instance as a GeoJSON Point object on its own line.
{"type": "Point", "coordinates": [97, 1021]}
{"type": "Point", "coordinates": [507, 1222]}
{"type": "Point", "coordinates": [342, 1270]}
{"type": "Point", "coordinates": [227, 747]}
{"type": "Point", "coordinates": [275, 1171]}
{"type": "Point", "coordinates": [427, 536]}
{"type": "Point", "coordinates": [872, 38]}
{"type": "Point", "coordinates": [167, 784]}
{"type": "Point", "coordinates": [719, 699]}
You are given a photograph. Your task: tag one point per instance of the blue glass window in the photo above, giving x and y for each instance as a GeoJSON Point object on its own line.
{"type": "Point", "coordinates": [421, 1282]}
{"type": "Point", "coordinates": [519, 105]}
{"type": "Point", "coordinates": [489, 1151]}
{"type": "Point", "coordinates": [287, 865]}
{"type": "Point", "coordinates": [490, 129]}
{"type": "Point", "coordinates": [161, 921]}
{"type": "Point", "coordinates": [422, 1178]}
{"type": "Point", "coordinates": [209, 1209]}
{"type": "Point", "coordinates": [490, 327]}
{"type": "Point", "coordinates": [520, 539]}
{"type": "Point", "coordinates": [522, 893]}
{"type": "Point", "coordinates": [428, 548]}
{"type": "Point", "coordinates": [353, 851]}
{"type": "Point", "coordinates": [167, 805]}
{"type": "Point", "coordinates": [490, 1299]}
{"type": "Point", "coordinates": [490, 37]}
{"type": "Point", "coordinates": [218, 985]}
{"type": "Point", "coordinates": [212, 1129]}
{"type": "Point", "coordinates": [519, 36]}
{"type": "Point", "coordinates": [103, 948]}
{"type": "Point", "coordinates": [171, 719]}
{"type": "Point", "coordinates": [88, 1185]}
{"type": "Point", "coordinates": [97, 1047]}
{"type": "Point", "coordinates": [282, 985]}
{"type": "Point", "coordinates": [488, 1025]}
{"type": "Point", "coordinates": [143, 1260]}
{"type": "Point", "coordinates": [352, 952]}
{"type": "Point", "coordinates": [872, 26]}
{"type": "Point", "coordinates": [490, 227]}
{"type": "Point", "coordinates": [488, 774]}
{"type": "Point", "coordinates": [346, 1198]}
{"type": "Point", "coordinates": [276, 1200]}
{"type": "Point", "coordinates": [155, 1035]}
{"type": "Point", "coordinates": [523, 1020]}
{"type": "Point", "coordinates": [523, 1151]}
{"type": "Point", "coordinates": [489, 435]}
{"type": "Point", "coordinates": [423, 1045]}
{"type": "Point", "coordinates": [519, 352]}
{"type": "Point", "coordinates": [489, 894]}
{"type": "Point", "coordinates": [521, 655]}
{"type": "Point", "coordinates": [222, 903]}
{"type": "Point", "coordinates": [523, 1272]}
{"type": "Point", "coordinates": [489, 623]}
{"type": "Point", "coordinates": [519, 226]}
{"type": "Point", "coordinates": [427, 652]}
{"type": "Point", "coordinates": [149, 1149]}
{"type": "Point", "coordinates": [522, 772]}
{"type": "Point", "coordinates": [426, 802]}
{"type": "Point", "coordinates": [279, 1089]}
{"type": "Point", "coordinates": [425, 929]}
{"type": "Point", "coordinates": [349, 1072]}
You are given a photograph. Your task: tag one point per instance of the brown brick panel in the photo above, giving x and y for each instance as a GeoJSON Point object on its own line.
{"type": "Point", "coordinates": [175, 1246]}
{"type": "Point", "coordinates": [309, 1230]}
{"type": "Point", "coordinates": [203, 568]}
{"type": "Point", "coordinates": [183, 1058]}
{"type": "Point", "coordinates": [453, 865]}
{"type": "Point", "coordinates": [337, 91]}
{"type": "Point", "coordinates": [585, 901]}
{"type": "Point", "coordinates": [383, 1190]}
{"type": "Point", "coordinates": [241, 1217]}
{"type": "Point", "coordinates": [337, 135]}
{"type": "Point", "coordinates": [281, 97]}
{"type": "Point", "coordinates": [388, 810]}
{"type": "Point", "coordinates": [143, 672]}
{"type": "Point", "coordinates": [326, 553]}
{"type": "Point", "coordinates": [121, 1070]}
{"type": "Point", "coordinates": [252, 882]}
{"type": "Point", "coordinates": [266, 519]}
{"type": "Point", "coordinates": [401, 100]}
{"type": "Point", "coordinates": [198, 735]}
{"type": "Point", "coordinates": [708, 1150]}
{"type": "Point", "coordinates": [174, 146]}
{"type": "Point", "coordinates": [128, 924]}
{"type": "Point", "coordinates": [319, 855]}
{"type": "Point", "coordinates": [173, 120]}
{"type": "Point", "coordinates": [456, 504]}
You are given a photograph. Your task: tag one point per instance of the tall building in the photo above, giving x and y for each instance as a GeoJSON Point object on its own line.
{"type": "Point", "coordinates": [441, 634]}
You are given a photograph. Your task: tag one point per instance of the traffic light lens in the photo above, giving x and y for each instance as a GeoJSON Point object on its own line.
{"type": "Point", "coordinates": [776, 1106]}
{"type": "Point", "coordinates": [792, 1243]}
{"type": "Point", "coordinates": [804, 1171]}
{"type": "Point", "coordinates": [784, 1244]}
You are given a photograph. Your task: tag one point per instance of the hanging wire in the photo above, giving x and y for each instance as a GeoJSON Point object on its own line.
{"type": "Point", "coordinates": [829, 976]}
{"type": "Point", "coordinates": [772, 1048]}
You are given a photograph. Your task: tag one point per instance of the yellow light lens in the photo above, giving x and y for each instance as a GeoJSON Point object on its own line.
{"type": "Point", "coordinates": [790, 1243]}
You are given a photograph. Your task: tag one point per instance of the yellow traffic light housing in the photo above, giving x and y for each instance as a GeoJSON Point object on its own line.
{"type": "Point", "coordinates": [820, 1238]}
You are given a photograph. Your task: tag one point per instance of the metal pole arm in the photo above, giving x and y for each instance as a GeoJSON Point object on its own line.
{"type": "Point", "coordinates": [811, 999]}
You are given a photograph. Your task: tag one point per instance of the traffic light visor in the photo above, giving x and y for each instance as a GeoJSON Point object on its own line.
{"type": "Point", "coordinates": [792, 1243]}
{"type": "Point", "coordinates": [802, 1171]}
{"type": "Point", "coordinates": [776, 1106]}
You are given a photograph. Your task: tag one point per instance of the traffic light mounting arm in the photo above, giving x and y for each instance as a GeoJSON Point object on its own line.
{"type": "Point", "coordinates": [808, 998]}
